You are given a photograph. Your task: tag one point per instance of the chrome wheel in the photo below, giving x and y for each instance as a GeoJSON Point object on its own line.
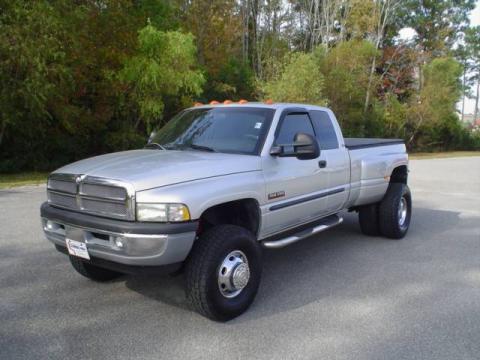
{"type": "Point", "coordinates": [402, 211]}
{"type": "Point", "coordinates": [233, 274]}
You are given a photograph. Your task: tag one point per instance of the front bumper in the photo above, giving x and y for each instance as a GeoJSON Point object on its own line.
{"type": "Point", "coordinates": [118, 241]}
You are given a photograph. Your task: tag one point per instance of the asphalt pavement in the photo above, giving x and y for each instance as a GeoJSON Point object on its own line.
{"type": "Point", "coordinates": [337, 295]}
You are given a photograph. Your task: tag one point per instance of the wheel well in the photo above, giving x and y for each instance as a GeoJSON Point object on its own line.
{"type": "Point", "coordinates": [244, 213]}
{"type": "Point", "coordinates": [399, 175]}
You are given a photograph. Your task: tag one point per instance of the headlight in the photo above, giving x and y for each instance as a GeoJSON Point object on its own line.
{"type": "Point", "coordinates": [162, 212]}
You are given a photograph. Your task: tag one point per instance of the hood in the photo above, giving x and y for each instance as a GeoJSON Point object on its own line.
{"type": "Point", "coordinates": [146, 169]}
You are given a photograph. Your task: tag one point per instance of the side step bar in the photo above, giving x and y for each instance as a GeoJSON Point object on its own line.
{"type": "Point", "coordinates": [327, 223]}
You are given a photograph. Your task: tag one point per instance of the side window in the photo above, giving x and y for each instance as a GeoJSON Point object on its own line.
{"type": "Point", "coordinates": [326, 135]}
{"type": "Point", "coordinates": [292, 124]}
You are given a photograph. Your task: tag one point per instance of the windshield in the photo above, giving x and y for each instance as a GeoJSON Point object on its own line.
{"type": "Point", "coordinates": [230, 130]}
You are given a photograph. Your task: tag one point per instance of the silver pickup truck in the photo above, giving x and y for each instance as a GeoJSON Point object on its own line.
{"type": "Point", "coordinates": [213, 187]}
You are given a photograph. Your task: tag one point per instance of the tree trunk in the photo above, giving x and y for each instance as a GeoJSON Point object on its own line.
{"type": "Point", "coordinates": [476, 101]}
{"type": "Point", "coordinates": [370, 80]}
{"type": "Point", "coordinates": [414, 133]}
{"type": "Point", "coordinates": [420, 76]}
{"type": "Point", "coordinates": [2, 131]}
{"type": "Point", "coordinates": [383, 16]}
{"type": "Point", "coordinates": [463, 91]}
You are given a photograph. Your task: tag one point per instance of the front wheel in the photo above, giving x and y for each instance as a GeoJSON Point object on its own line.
{"type": "Point", "coordinates": [223, 272]}
{"type": "Point", "coordinates": [395, 211]}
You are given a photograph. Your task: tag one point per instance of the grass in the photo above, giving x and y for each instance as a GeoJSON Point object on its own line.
{"type": "Point", "coordinates": [26, 178]}
{"type": "Point", "coordinates": [439, 155]}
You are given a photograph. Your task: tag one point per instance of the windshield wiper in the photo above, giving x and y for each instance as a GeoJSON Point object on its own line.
{"type": "Point", "coordinates": [155, 145]}
{"type": "Point", "coordinates": [201, 147]}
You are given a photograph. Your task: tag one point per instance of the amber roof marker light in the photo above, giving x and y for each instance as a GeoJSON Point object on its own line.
{"type": "Point", "coordinates": [242, 101]}
{"type": "Point", "coordinates": [268, 101]}
{"type": "Point", "coordinates": [197, 104]}
{"type": "Point", "coordinates": [226, 102]}
{"type": "Point", "coordinates": [214, 102]}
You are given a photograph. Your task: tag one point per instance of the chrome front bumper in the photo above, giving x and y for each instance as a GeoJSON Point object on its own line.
{"type": "Point", "coordinates": [142, 247]}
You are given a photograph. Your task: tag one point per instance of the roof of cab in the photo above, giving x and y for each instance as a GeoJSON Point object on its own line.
{"type": "Point", "coordinates": [276, 106]}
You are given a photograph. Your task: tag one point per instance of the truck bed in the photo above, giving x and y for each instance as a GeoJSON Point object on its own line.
{"type": "Point", "coordinates": [361, 143]}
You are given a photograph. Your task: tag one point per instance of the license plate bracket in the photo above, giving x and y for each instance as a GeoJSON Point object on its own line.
{"type": "Point", "coordinates": [77, 248]}
{"type": "Point", "coordinates": [75, 242]}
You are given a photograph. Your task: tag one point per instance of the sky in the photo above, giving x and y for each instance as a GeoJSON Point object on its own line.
{"type": "Point", "coordinates": [475, 15]}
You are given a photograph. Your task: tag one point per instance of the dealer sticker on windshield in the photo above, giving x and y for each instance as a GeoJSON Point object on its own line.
{"type": "Point", "coordinates": [77, 248]}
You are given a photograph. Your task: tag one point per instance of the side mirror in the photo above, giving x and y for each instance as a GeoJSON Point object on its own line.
{"type": "Point", "coordinates": [304, 147]}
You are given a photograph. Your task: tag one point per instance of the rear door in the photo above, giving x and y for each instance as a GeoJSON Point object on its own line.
{"type": "Point", "coordinates": [336, 168]}
{"type": "Point", "coordinates": [294, 187]}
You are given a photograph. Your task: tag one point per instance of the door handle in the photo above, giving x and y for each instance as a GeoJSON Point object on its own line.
{"type": "Point", "coordinates": [322, 164]}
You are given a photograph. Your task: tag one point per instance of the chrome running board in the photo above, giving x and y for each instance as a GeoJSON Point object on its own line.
{"type": "Point", "coordinates": [327, 223]}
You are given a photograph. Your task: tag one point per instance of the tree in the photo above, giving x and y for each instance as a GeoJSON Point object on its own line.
{"type": "Point", "coordinates": [320, 22]}
{"type": "Point", "coordinates": [79, 78]}
{"type": "Point", "coordinates": [216, 28]}
{"type": "Point", "coordinates": [462, 54]}
{"type": "Point", "coordinates": [32, 63]}
{"type": "Point", "coordinates": [346, 68]}
{"type": "Point", "coordinates": [235, 81]}
{"type": "Point", "coordinates": [434, 115]}
{"type": "Point", "coordinates": [397, 77]}
{"type": "Point", "coordinates": [437, 23]}
{"type": "Point", "coordinates": [472, 41]}
{"type": "Point", "coordinates": [301, 81]}
{"type": "Point", "coordinates": [163, 66]}
{"type": "Point", "coordinates": [370, 18]}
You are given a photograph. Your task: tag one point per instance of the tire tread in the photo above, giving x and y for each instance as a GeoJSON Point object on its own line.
{"type": "Point", "coordinates": [388, 210]}
{"type": "Point", "coordinates": [202, 258]}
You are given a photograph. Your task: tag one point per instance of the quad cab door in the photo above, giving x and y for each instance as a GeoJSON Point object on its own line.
{"type": "Point", "coordinates": [337, 160]}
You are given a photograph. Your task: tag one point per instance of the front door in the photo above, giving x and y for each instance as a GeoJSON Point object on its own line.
{"type": "Point", "coordinates": [294, 187]}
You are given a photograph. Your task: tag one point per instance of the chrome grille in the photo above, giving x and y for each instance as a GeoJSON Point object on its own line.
{"type": "Point", "coordinates": [103, 191]}
{"type": "Point", "coordinates": [117, 209]}
{"type": "Point", "coordinates": [63, 200]}
{"type": "Point", "coordinates": [63, 186]}
{"type": "Point", "coordinates": [109, 198]}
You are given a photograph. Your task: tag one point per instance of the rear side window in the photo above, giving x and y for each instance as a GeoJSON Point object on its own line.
{"type": "Point", "coordinates": [326, 135]}
{"type": "Point", "coordinates": [292, 124]}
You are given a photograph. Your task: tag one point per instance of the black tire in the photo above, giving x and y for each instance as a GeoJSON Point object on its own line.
{"type": "Point", "coordinates": [390, 224]}
{"type": "Point", "coordinates": [203, 267]}
{"type": "Point", "coordinates": [91, 271]}
{"type": "Point", "coordinates": [369, 220]}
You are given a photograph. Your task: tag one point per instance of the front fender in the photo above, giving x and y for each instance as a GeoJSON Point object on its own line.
{"type": "Point", "coordinates": [199, 195]}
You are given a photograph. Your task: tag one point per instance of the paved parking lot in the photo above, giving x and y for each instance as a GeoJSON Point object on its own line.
{"type": "Point", "coordinates": [338, 295]}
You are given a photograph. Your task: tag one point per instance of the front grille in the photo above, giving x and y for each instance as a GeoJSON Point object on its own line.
{"type": "Point", "coordinates": [116, 209]}
{"type": "Point", "coordinates": [63, 185]}
{"type": "Point", "coordinates": [63, 200]}
{"type": "Point", "coordinates": [103, 191]}
{"type": "Point", "coordinates": [91, 195]}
